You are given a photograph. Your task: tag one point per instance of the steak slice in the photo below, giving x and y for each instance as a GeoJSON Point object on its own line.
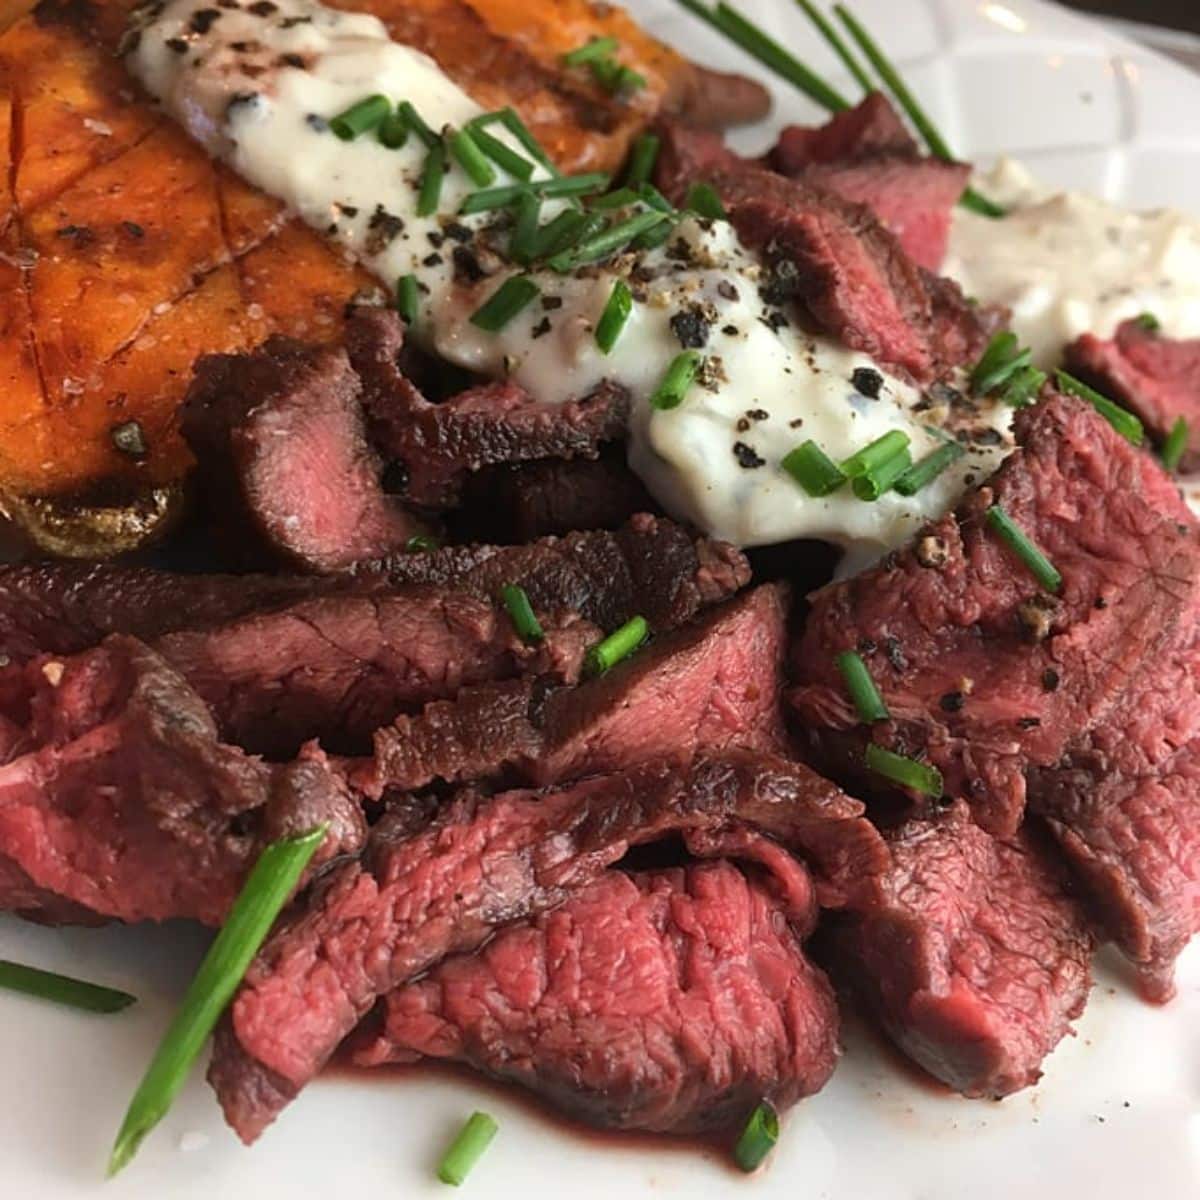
{"type": "Point", "coordinates": [872, 126]}
{"type": "Point", "coordinates": [1157, 377]}
{"type": "Point", "coordinates": [373, 925]}
{"type": "Point", "coordinates": [984, 673]}
{"type": "Point", "coordinates": [708, 686]}
{"type": "Point", "coordinates": [672, 1001]}
{"type": "Point", "coordinates": [281, 444]}
{"type": "Point", "coordinates": [973, 956]}
{"type": "Point", "coordinates": [125, 803]}
{"type": "Point", "coordinates": [441, 445]}
{"type": "Point", "coordinates": [336, 668]}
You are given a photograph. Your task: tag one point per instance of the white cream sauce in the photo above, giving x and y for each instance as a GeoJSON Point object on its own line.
{"type": "Point", "coordinates": [1067, 263]}
{"type": "Point", "coordinates": [715, 459]}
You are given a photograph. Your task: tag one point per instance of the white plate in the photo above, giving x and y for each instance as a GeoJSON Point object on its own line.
{"type": "Point", "coordinates": [1118, 1113]}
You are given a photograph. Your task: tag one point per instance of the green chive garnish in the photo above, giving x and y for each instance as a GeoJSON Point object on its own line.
{"type": "Point", "coordinates": [1040, 567]}
{"type": "Point", "coordinates": [1022, 387]}
{"type": "Point", "coordinates": [1175, 444]}
{"type": "Point", "coordinates": [621, 198]}
{"type": "Point", "coordinates": [408, 298]}
{"type": "Point", "coordinates": [525, 231]}
{"type": "Point", "coordinates": [272, 881]}
{"type": "Point", "coordinates": [861, 686]}
{"type": "Point", "coordinates": [617, 646]}
{"type": "Point", "coordinates": [501, 154]}
{"type": "Point", "coordinates": [476, 1136]}
{"type": "Point", "coordinates": [924, 472]}
{"type": "Point", "coordinates": [62, 989]}
{"type": "Point", "coordinates": [591, 51]}
{"type": "Point", "coordinates": [393, 130]}
{"type": "Point", "coordinates": [874, 455]}
{"type": "Point", "coordinates": [675, 383]}
{"type": "Point", "coordinates": [907, 772]}
{"type": "Point", "coordinates": [1121, 419]}
{"type": "Point", "coordinates": [1148, 322]}
{"type": "Point", "coordinates": [421, 543]}
{"type": "Point", "coordinates": [1002, 358]}
{"type": "Point", "coordinates": [524, 619]}
{"type": "Point", "coordinates": [468, 155]}
{"type": "Point", "coordinates": [877, 480]}
{"type": "Point", "coordinates": [360, 118]}
{"type": "Point", "coordinates": [416, 123]}
{"type": "Point", "coordinates": [642, 158]}
{"type": "Point", "coordinates": [432, 176]}
{"type": "Point", "coordinates": [813, 469]}
{"type": "Point", "coordinates": [505, 302]}
{"type": "Point", "coordinates": [654, 236]}
{"type": "Point", "coordinates": [573, 185]}
{"type": "Point", "coordinates": [703, 200]}
{"type": "Point", "coordinates": [613, 77]}
{"type": "Point", "coordinates": [839, 47]}
{"type": "Point", "coordinates": [511, 120]}
{"type": "Point", "coordinates": [758, 1138]}
{"type": "Point", "coordinates": [609, 241]}
{"type": "Point", "coordinates": [562, 232]}
{"type": "Point", "coordinates": [654, 198]}
{"type": "Point", "coordinates": [493, 198]}
{"type": "Point", "coordinates": [615, 315]}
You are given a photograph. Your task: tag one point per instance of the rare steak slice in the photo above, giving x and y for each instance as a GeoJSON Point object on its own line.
{"type": "Point", "coordinates": [441, 445]}
{"type": "Point", "coordinates": [672, 1001]}
{"type": "Point", "coordinates": [1156, 376]}
{"type": "Point", "coordinates": [375, 924]}
{"type": "Point", "coordinates": [986, 674]}
{"type": "Point", "coordinates": [707, 686]}
{"type": "Point", "coordinates": [125, 804]}
{"type": "Point", "coordinates": [973, 956]}
{"type": "Point", "coordinates": [283, 456]}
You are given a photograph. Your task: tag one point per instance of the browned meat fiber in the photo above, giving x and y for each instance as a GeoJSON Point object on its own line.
{"type": "Point", "coordinates": [374, 924]}
{"type": "Point", "coordinates": [672, 1001]}
{"type": "Point", "coordinates": [972, 955]}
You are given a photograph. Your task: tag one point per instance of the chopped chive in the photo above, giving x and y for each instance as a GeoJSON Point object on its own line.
{"type": "Point", "coordinates": [618, 646]}
{"type": "Point", "coordinates": [1022, 387]}
{"type": "Point", "coordinates": [421, 543]}
{"type": "Point", "coordinates": [360, 118]}
{"type": "Point", "coordinates": [619, 199]}
{"type": "Point", "coordinates": [653, 197]}
{"type": "Point", "coordinates": [511, 120]}
{"type": "Point", "coordinates": [613, 77]}
{"type": "Point", "coordinates": [875, 454]}
{"type": "Point", "coordinates": [654, 236]}
{"type": "Point", "coordinates": [416, 123]}
{"type": "Point", "coordinates": [1148, 322]}
{"type": "Point", "coordinates": [467, 1149]}
{"type": "Point", "coordinates": [393, 130]}
{"type": "Point", "coordinates": [675, 383]}
{"type": "Point", "coordinates": [408, 298]}
{"type": "Point", "coordinates": [62, 989]}
{"type": "Point", "coordinates": [1004, 372]}
{"type": "Point", "coordinates": [615, 315]}
{"type": "Point", "coordinates": [468, 155]}
{"type": "Point", "coordinates": [488, 199]}
{"type": "Point", "coordinates": [525, 231]}
{"type": "Point", "coordinates": [562, 232]}
{"type": "Point", "coordinates": [642, 158]}
{"type": "Point", "coordinates": [1040, 567]}
{"type": "Point", "coordinates": [1175, 444]}
{"type": "Point", "coordinates": [502, 154]}
{"type": "Point", "coordinates": [758, 1138]}
{"type": "Point", "coordinates": [827, 31]}
{"type": "Point", "coordinates": [907, 772]}
{"type": "Point", "coordinates": [879, 479]}
{"type": "Point", "coordinates": [1121, 419]}
{"type": "Point", "coordinates": [524, 620]}
{"type": "Point", "coordinates": [813, 469]}
{"type": "Point", "coordinates": [433, 175]}
{"type": "Point", "coordinates": [591, 51]}
{"type": "Point", "coordinates": [608, 241]}
{"type": "Point", "coordinates": [861, 686]}
{"type": "Point", "coordinates": [263, 895]}
{"type": "Point", "coordinates": [703, 200]}
{"type": "Point", "coordinates": [927, 469]}
{"type": "Point", "coordinates": [991, 369]}
{"type": "Point", "coordinates": [573, 185]}
{"type": "Point", "coordinates": [933, 139]}
{"type": "Point", "coordinates": [505, 302]}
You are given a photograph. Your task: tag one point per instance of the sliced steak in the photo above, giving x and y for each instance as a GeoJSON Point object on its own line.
{"type": "Point", "coordinates": [708, 686]}
{"type": "Point", "coordinates": [872, 126]}
{"type": "Point", "coordinates": [973, 957]}
{"type": "Point", "coordinates": [281, 445]}
{"type": "Point", "coordinates": [672, 1001]}
{"type": "Point", "coordinates": [1157, 377]}
{"type": "Point", "coordinates": [373, 925]}
{"type": "Point", "coordinates": [985, 674]}
{"type": "Point", "coordinates": [441, 445]}
{"type": "Point", "coordinates": [336, 668]}
{"type": "Point", "coordinates": [125, 803]}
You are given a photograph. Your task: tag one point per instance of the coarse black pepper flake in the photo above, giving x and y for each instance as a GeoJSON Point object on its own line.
{"type": "Point", "coordinates": [691, 326]}
{"type": "Point", "coordinates": [458, 231]}
{"type": "Point", "coordinates": [432, 260]}
{"type": "Point", "coordinates": [245, 47]}
{"type": "Point", "coordinates": [895, 653]}
{"type": "Point", "coordinates": [292, 22]}
{"type": "Point", "coordinates": [467, 268]}
{"type": "Point", "coordinates": [348, 210]}
{"type": "Point", "coordinates": [1050, 680]}
{"type": "Point", "coordinates": [382, 229]}
{"type": "Point", "coordinates": [730, 330]}
{"type": "Point", "coordinates": [757, 414]}
{"type": "Point", "coordinates": [748, 458]}
{"type": "Point", "coordinates": [81, 235]}
{"type": "Point", "coordinates": [867, 382]}
{"type": "Point", "coordinates": [133, 229]}
{"type": "Point", "coordinates": [726, 290]}
{"type": "Point", "coordinates": [1028, 722]}
{"type": "Point", "coordinates": [292, 60]}
{"type": "Point", "coordinates": [774, 320]}
{"type": "Point", "coordinates": [130, 439]}
{"type": "Point", "coordinates": [263, 8]}
{"type": "Point", "coordinates": [203, 19]}
{"type": "Point", "coordinates": [541, 328]}
{"type": "Point", "coordinates": [239, 100]}
{"type": "Point", "coordinates": [176, 45]}
{"type": "Point", "coordinates": [782, 282]}
{"type": "Point", "coordinates": [795, 422]}
{"type": "Point", "coordinates": [952, 702]}
{"type": "Point", "coordinates": [1100, 602]}
{"type": "Point", "coordinates": [550, 303]}
{"type": "Point", "coordinates": [228, 4]}
{"type": "Point", "coordinates": [436, 239]}
{"type": "Point", "coordinates": [742, 424]}
{"type": "Point", "coordinates": [867, 645]}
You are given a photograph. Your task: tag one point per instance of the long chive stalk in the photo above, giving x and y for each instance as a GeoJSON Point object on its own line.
{"type": "Point", "coordinates": [62, 989]}
{"type": "Point", "coordinates": [1039, 566]}
{"type": "Point", "coordinates": [503, 155]}
{"type": "Point", "coordinates": [272, 881]}
{"type": "Point", "coordinates": [1175, 445]}
{"type": "Point", "coordinates": [1121, 419]}
{"type": "Point", "coordinates": [513, 295]}
{"type": "Point", "coordinates": [827, 31]}
{"type": "Point", "coordinates": [642, 158]}
{"type": "Point", "coordinates": [468, 155]}
{"type": "Point", "coordinates": [607, 242]}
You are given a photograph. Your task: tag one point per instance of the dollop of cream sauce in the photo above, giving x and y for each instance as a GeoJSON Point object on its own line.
{"type": "Point", "coordinates": [256, 84]}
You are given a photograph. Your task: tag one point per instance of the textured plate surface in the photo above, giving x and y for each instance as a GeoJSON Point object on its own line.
{"type": "Point", "coordinates": [1118, 1112]}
